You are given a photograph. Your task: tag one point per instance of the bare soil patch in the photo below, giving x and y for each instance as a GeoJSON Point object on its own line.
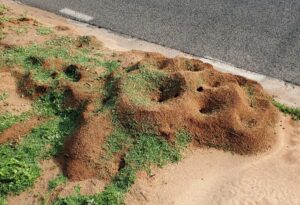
{"type": "Point", "coordinates": [15, 133]}
{"type": "Point", "coordinates": [14, 103]}
{"type": "Point", "coordinates": [214, 177]}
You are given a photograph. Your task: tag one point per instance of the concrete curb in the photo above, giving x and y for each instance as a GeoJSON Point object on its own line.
{"type": "Point", "coordinates": [284, 92]}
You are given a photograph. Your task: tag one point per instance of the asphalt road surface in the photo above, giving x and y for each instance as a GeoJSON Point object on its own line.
{"type": "Point", "coordinates": [258, 35]}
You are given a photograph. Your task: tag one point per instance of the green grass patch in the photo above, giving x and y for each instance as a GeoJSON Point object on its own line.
{"type": "Point", "coordinates": [182, 139]}
{"type": "Point", "coordinates": [7, 120]}
{"type": "Point", "coordinates": [3, 201]}
{"type": "Point", "coordinates": [61, 41]}
{"type": "Point", "coordinates": [3, 9]}
{"type": "Point", "coordinates": [4, 19]}
{"type": "Point", "coordinates": [119, 140]}
{"type": "Point", "coordinates": [250, 93]}
{"type": "Point", "coordinates": [42, 30]}
{"type": "Point", "coordinates": [21, 29]}
{"type": "Point", "coordinates": [2, 36]}
{"type": "Point", "coordinates": [19, 164]}
{"type": "Point", "coordinates": [144, 150]}
{"type": "Point", "coordinates": [31, 57]}
{"type": "Point", "coordinates": [3, 96]}
{"type": "Point", "coordinates": [57, 181]}
{"type": "Point", "coordinates": [293, 112]}
{"type": "Point", "coordinates": [140, 83]}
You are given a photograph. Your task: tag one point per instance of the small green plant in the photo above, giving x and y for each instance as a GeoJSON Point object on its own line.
{"type": "Point", "coordinates": [250, 93]}
{"type": "Point", "coordinates": [140, 84]}
{"type": "Point", "coordinates": [60, 41]}
{"type": "Point", "coordinates": [19, 164]}
{"type": "Point", "coordinates": [4, 19]}
{"type": "Point", "coordinates": [2, 34]}
{"type": "Point", "coordinates": [3, 96]}
{"type": "Point", "coordinates": [59, 48]}
{"type": "Point", "coordinates": [84, 41]}
{"type": "Point", "coordinates": [117, 141]}
{"type": "Point", "coordinates": [111, 66]}
{"type": "Point", "coordinates": [182, 139]}
{"type": "Point", "coordinates": [293, 112]}
{"type": "Point", "coordinates": [42, 30]}
{"type": "Point", "coordinates": [3, 201]}
{"type": "Point", "coordinates": [57, 181]}
{"type": "Point", "coordinates": [3, 9]}
{"type": "Point", "coordinates": [7, 120]}
{"type": "Point", "coordinates": [21, 29]}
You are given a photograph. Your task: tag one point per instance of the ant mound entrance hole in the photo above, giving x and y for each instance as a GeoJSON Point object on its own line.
{"type": "Point", "coordinates": [72, 71]}
{"type": "Point", "coordinates": [171, 88]}
{"type": "Point", "coordinates": [41, 89]}
{"type": "Point", "coordinates": [200, 89]}
{"type": "Point", "coordinates": [34, 60]}
{"type": "Point", "coordinates": [212, 106]}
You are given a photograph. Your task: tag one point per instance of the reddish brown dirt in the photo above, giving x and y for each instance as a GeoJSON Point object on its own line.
{"type": "Point", "coordinates": [16, 132]}
{"type": "Point", "coordinates": [82, 155]}
{"type": "Point", "coordinates": [220, 110]}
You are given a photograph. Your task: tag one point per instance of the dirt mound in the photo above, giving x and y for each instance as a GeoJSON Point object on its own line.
{"type": "Point", "coordinates": [17, 131]}
{"type": "Point", "coordinates": [162, 95]}
{"type": "Point", "coordinates": [83, 150]}
{"type": "Point", "coordinates": [220, 110]}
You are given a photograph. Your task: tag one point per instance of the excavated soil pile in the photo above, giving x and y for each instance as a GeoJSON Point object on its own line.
{"type": "Point", "coordinates": [163, 95]}
{"type": "Point", "coordinates": [218, 109]}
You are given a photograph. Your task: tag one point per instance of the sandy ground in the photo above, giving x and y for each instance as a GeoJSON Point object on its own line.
{"type": "Point", "coordinates": [39, 192]}
{"type": "Point", "coordinates": [14, 103]}
{"type": "Point", "coordinates": [205, 176]}
{"type": "Point", "coordinates": [216, 177]}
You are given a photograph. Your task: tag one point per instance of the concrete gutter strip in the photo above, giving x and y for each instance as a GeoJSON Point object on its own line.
{"type": "Point", "coordinates": [284, 92]}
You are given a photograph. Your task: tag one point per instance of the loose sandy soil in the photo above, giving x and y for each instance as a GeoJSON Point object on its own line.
{"type": "Point", "coordinates": [208, 176]}
{"type": "Point", "coordinates": [14, 103]}
{"type": "Point", "coordinates": [204, 176]}
{"type": "Point", "coordinates": [40, 192]}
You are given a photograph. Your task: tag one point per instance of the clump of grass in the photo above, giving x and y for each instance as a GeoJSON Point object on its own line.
{"type": "Point", "coordinates": [293, 112]}
{"type": "Point", "coordinates": [42, 30]}
{"type": "Point", "coordinates": [59, 48]}
{"type": "Point", "coordinates": [144, 150]}
{"type": "Point", "coordinates": [140, 84]}
{"type": "Point", "coordinates": [2, 35]}
{"type": "Point", "coordinates": [117, 141]}
{"type": "Point", "coordinates": [3, 201]}
{"type": "Point", "coordinates": [4, 19]}
{"type": "Point", "coordinates": [60, 41]}
{"type": "Point", "coordinates": [3, 9]}
{"type": "Point", "coordinates": [182, 139]}
{"type": "Point", "coordinates": [111, 66]}
{"type": "Point", "coordinates": [20, 30]}
{"type": "Point", "coordinates": [250, 93]}
{"type": "Point", "coordinates": [7, 120]}
{"type": "Point", "coordinates": [3, 96]}
{"type": "Point", "coordinates": [19, 167]}
{"type": "Point", "coordinates": [110, 92]}
{"type": "Point", "coordinates": [150, 149]}
{"type": "Point", "coordinates": [57, 181]}
{"type": "Point", "coordinates": [84, 41]}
